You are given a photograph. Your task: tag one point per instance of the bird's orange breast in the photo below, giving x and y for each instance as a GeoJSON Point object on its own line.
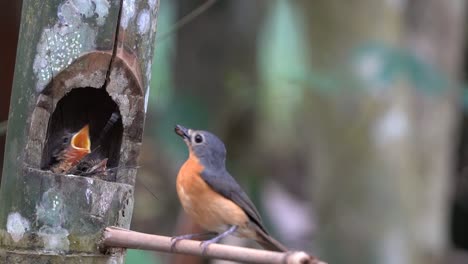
{"type": "Point", "coordinates": [209, 209]}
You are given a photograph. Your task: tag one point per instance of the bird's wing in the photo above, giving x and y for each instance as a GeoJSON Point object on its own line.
{"type": "Point", "coordinates": [223, 183]}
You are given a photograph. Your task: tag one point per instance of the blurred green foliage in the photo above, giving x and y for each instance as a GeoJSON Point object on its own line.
{"type": "Point", "coordinates": [161, 77]}
{"type": "Point", "coordinates": [265, 114]}
{"type": "Point", "coordinates": [135, 256]}
{"type": "Point", "coordinates": [381, 66]}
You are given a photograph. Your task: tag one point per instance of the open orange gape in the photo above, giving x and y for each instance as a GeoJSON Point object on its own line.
{"type": "Point", "coordinates": [80, 145]}
{"type": "Point", "coordinates": [74, 150]}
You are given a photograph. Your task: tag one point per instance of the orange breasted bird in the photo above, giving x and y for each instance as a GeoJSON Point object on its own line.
{"type": "Point", "coordinates": [73, 148]}
{"type": "Point", "coordinates": [212, 197]}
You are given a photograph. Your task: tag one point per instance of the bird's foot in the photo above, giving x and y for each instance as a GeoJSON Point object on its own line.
{"type": "Point", "coordinates": [176, 239]}
{"type": "Point", "coordinates": [204, 244]}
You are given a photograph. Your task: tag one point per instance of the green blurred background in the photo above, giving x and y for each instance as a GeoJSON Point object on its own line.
{"type": "Point", "coordinates": [235, 70]}
{"type": "Point", "coordinates": [345, 122]}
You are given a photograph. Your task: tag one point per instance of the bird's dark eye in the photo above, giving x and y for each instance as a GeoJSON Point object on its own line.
{"type": "Point", "coordinates": [198, 139]}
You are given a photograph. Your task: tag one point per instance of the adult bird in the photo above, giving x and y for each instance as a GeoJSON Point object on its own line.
{"type": "Point", "coordinates": [212, 197]}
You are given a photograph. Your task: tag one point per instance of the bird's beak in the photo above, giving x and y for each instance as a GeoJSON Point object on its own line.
{"type": "Point", "coordinates": [81, 142]}
{"type": "Point", "coordinates": [182, 131]}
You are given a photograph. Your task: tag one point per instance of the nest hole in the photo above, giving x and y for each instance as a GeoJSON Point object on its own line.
{"type": "Point", "coordinates": [78, 108]}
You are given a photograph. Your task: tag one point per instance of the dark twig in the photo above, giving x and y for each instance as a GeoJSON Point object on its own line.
{"type": "Point", "coordinates": [187, 19]}
{"type": "Point", "coordinates": [3, 127]}
{"type": "Point", "coordinates": [122, 238]}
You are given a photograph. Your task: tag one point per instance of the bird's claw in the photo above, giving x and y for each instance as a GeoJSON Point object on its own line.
{"type": "Point", "coordinates": [174, 241]}
{"type": "Point", "coordinates": [204, 245]}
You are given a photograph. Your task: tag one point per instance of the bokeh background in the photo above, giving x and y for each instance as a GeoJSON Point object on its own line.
{"type": "Point", "coordinates": [345, 122]}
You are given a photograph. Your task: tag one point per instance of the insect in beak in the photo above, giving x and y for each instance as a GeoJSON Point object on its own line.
{"type": "Point", "coordinates": [182, 131]}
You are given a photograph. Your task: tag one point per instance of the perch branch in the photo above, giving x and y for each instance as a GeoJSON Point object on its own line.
{"type": "Point", "coordinates": [122, 238]}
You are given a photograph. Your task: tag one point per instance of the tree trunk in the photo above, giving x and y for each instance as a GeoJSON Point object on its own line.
{"type": "Point", "coordinates": [383, 128]}
{"type": "Point", "coordinates": [77, 64]}
{"type": "Point", "coordinates": [10, 19]}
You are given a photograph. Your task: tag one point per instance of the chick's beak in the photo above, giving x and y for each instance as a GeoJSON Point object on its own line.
{"type": "Point", "coordinates": [79, 147]}
{"type": "Point", "coordinates": [182, 131]}
{"type": "Point", "coordinates": [80, 141]}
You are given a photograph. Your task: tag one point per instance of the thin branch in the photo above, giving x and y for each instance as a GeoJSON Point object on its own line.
{"type": "Point", "coordinates": [187, 19]}
{"type": "Point", "coordinates": [123, 238]}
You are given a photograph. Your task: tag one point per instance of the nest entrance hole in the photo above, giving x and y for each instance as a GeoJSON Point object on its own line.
{"type": "Point", "coordinates": [80, 107]}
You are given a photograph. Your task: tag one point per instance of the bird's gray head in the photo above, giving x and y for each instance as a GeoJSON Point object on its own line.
{"type": "Point", "coordinates": [207, 147]}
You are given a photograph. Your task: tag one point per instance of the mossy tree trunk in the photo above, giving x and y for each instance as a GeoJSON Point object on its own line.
{"type": "Point", "coordinates": [10, 18]}
{"type": "Point", "coordinates": [81, 51]}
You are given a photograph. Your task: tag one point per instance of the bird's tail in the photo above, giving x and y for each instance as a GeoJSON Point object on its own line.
{"type": "Point", "coordinates": [268, 242]}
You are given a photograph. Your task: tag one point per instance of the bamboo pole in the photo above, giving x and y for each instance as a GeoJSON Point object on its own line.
{"type": "Point", "coordinates": [122, 238]}
{"type": "Point", "coordinates": [77, 63]}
